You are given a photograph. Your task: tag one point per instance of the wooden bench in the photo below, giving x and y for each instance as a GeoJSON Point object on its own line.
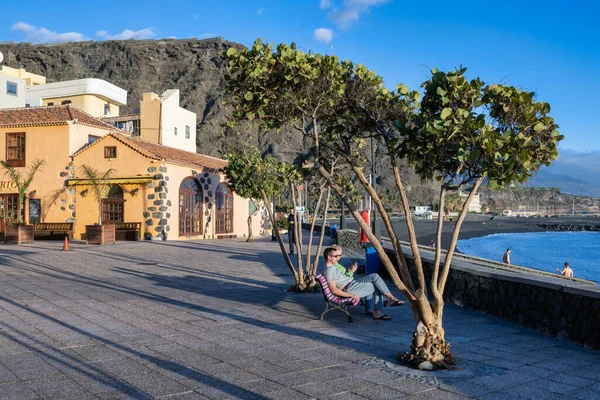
{"type": "Point", "coordinates": [128, 230]}
{"type": "Point", "coordinates": [333, 302]}
{"type": "Point", "coordinates": [52, 228]}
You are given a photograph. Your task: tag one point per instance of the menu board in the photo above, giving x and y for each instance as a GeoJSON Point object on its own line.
{"type": "Point", "coordinates": [34, 211]}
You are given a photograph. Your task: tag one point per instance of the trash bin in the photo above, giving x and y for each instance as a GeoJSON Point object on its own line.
{"type": "Point", "coordinates": [372, 261]}
{"type": "Point", "coordinates": [332, 231]}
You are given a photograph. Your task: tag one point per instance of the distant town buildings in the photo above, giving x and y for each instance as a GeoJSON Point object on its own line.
{"type": "Point", "coordinates": [475, 206]}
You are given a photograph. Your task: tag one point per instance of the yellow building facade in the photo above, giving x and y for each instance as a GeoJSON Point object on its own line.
{"type": "Point", "coordinates": [50, 134]}
{"type": "Point", "coordinates": [173, 194]}
{"type": "Point", "coordinates": [89, 102]}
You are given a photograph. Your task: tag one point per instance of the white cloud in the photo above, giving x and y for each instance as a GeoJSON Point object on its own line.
{"type": "Point", "coordinates": [43, 35]}
{"type": "Point", "coordinates": [147, 33]}
{"type": "Point", "coordinates": [260, 11]}
{"type": "Point", "coordinates": [351, 11]}
{"type": "Point", "coordinates": [325, 4]}
{"type": "Point", "coordinates": [323, 35]}
{"type": "Point", "coordinates": [207, 35]}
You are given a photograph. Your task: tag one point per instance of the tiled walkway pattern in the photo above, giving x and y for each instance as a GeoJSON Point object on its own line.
{"type": "Point", "coordinates": [196, 320]}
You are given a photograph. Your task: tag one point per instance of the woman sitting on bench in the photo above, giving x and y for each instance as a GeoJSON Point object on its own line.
{"type": "Point", "coordinates": [341, 283]}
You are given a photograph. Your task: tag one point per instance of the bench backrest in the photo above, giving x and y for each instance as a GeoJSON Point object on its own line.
{"type": "Point", "coordinates": [54, 226]}
{"type": "Point", "coordinates": [128, 226]}
{"type": "Point", "coordinates": [330, 296]}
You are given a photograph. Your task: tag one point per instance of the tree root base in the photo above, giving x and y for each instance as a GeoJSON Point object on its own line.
{"type": "Point", "coordinates": [431, 347]}
{"type": "Point", "coordinates": [303, 289]}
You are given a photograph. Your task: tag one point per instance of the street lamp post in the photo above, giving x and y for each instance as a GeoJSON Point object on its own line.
{"type": "Point", "coordinates": [374, 222]}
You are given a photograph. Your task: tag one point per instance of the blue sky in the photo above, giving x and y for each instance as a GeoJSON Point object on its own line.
{"type": "Point", "coordinates": [551, 47]}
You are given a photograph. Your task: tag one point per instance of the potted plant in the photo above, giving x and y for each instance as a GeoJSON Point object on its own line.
{"type": "Point", "coordinates": [16, 229]}
{"type": "Point", "coordinates": [98, 233]}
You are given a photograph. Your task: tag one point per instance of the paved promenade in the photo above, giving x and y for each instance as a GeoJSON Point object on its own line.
{"type": "Point", "coordinates": [210, 319]}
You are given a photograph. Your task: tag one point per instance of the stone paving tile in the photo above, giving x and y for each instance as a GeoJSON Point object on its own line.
{"type": "Point", "coordinates": [64, 388]}
{"type": "Point", "coordinates": [435, 394]}
{"type": "Point", "coordinates": [288, 394]}
{"type": "Point", "coordinates": [156, 385]}
{"type": "Point", "coordinates": [17, 391]}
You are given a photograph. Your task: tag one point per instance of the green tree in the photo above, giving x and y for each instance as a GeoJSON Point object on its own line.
{"type": "Point", "coordinates": [22, 182]}
{"type": "Point", "coordinates": [97, 180]}
{"type": "Point", "coordinates": [251, 175]}
{"type": "Point", "coordinates": [462, 132]}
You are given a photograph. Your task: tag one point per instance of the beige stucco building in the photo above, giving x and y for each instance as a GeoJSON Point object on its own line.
{"type": "Point", "coordinates": [176, 194]}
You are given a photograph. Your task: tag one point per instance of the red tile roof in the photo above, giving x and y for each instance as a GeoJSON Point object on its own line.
{"type": "Point", "coordinates": [48, 116]}
{"type": "Point", "coordinates": [169, 154]}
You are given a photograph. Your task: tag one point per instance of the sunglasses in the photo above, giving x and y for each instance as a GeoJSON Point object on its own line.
{"type": "Point", "coordinates": [337, 255]}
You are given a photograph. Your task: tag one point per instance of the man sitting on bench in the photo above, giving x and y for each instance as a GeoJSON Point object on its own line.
{"type": "Point", "coordinates": [343, 285]}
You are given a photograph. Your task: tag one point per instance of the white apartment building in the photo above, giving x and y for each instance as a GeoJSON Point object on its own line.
{"type": "Point", "coordinates": [96, 97]}
{"type": "Point", "coordinates": [163, 121]}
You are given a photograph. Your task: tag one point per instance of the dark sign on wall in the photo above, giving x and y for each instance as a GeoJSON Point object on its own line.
{"type": "Point", "coordinates": [34, 211]}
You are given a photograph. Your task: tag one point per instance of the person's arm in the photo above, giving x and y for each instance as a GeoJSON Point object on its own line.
{"type": "Point", "coordinates": [338, 292]}
{"type": "Point", "coordinates": [350, 271]}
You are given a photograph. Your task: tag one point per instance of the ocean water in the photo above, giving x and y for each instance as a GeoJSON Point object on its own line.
{"type": "Point", "coordinates": [544, 251]}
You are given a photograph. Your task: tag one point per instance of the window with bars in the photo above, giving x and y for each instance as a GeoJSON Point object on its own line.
{"type": "Point", "coordinates": [15, 149]}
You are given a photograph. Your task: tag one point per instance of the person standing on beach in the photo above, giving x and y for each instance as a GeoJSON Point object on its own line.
{"type": "Point", "coordinates": [567, 272]}
{"type": "Point", "coordinates": [506, 257]}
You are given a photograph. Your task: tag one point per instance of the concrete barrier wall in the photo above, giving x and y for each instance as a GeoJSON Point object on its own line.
{"type": "Point", "coordinates": [552, 305]}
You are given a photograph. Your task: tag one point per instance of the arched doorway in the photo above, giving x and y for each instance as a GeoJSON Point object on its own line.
{"type": "Point", "coordinates": [224, 203]}
{"type": "Point", "coordinates": [113, 206]}
{"type": "Point", "coordinates": [190, 208]}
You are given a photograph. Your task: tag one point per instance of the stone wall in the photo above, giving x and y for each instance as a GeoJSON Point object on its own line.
{"type": "Point", "coordinates": [559, 307]}
{"type": "Point", "coordinates": [157, 213]}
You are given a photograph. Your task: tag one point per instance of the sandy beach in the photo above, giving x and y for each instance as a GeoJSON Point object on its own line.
{"type": "Point", "coordinates": [483, 225]}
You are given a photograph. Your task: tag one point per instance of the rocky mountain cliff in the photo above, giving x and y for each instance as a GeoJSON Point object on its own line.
{"type": "Point", "coordinates": [196, 68]}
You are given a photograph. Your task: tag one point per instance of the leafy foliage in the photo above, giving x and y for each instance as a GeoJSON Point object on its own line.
{"type": "Point", "coordinates": [248, 172]}
{"type": "Point", "coordinates": [466, 130]}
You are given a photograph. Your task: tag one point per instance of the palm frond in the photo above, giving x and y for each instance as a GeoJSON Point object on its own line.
{"type": "Point", "coordinates": [12, 173]}
{"type": "Point", "coordinates": [97, 180]}
{"type": "Point", "coordinates": [33, 169]}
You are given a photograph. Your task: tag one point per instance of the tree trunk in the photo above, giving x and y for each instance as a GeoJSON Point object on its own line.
{"type": "Point", "coordinates": [301, 281]}
{"type": "Point", "coordinates": [280, 241]}
{"type": "Point", "coordinates": [401, 260]}
{"type": "Point", "coordinates": [250, 237]}
{"type": "Point", "coordinates": [429, 344]}
{"type": "Point", "coordinates": [308, 269]}
{"type": "Point", "coordinates": [325, 210]}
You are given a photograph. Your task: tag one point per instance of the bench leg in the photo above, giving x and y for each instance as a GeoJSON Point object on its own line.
{"type": "Point", "coordinates": [329, 307]}
{"type": "Point", "coordinates": [325, 311]}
